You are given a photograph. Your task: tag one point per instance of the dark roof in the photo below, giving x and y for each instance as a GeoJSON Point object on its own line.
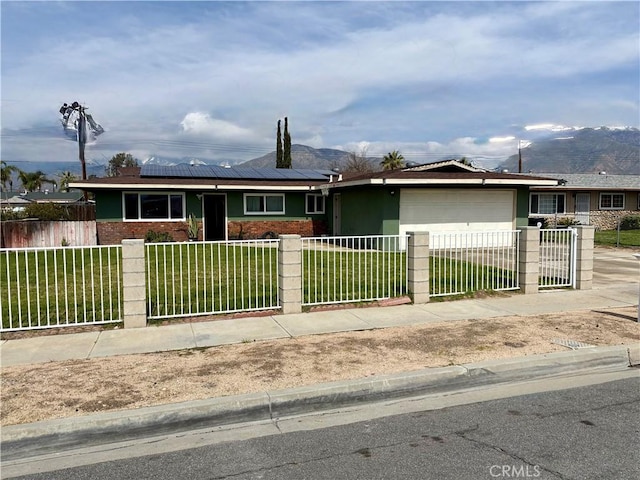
{"type": "Point", "coordinates": [213, 178]}
{"type": "Point", "coordinates": [594, 181]}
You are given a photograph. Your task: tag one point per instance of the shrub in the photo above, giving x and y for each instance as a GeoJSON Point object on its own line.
{"type": "Point", "coordinates": [157, 237]}
{"type": "Point", "coordinates": [9, 214]}
{"type": "Point", "coordinates": [47, 211]}
{"type": "Point", "coordinates": [568, 222]}
{"type": "Point", "coordinates": [630, 222]}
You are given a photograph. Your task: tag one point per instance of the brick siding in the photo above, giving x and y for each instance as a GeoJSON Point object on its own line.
{"type": "Point", "coordinates": [262, 229]}
{"type": "Point", "coordinates": [112, 233]}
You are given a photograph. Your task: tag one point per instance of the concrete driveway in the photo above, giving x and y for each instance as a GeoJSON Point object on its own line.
{"type": "Point", "coordinates": [615, 266]}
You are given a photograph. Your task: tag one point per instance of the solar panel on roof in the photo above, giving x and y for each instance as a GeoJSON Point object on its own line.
{"type": "Point", "coordinates": [240, 173]}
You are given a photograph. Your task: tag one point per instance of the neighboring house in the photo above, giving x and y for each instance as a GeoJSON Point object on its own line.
{"type": "Point", "coordinates": [18, 200]}
{"type": "Point", "coordinates": [239, 202]}
{"type": "Point", "coordinates": [66, 198]}
{"type": "Point", "coordinates": [600, 200]}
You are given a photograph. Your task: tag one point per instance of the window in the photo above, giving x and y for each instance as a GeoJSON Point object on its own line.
{"type": "Point", "coordinates": [546, 203]}
{"type": "Point", "coordinates": [612, 201]}
{"type": "Point", "coordinates": [268, 204]}
{"type": "Point", "coordinates": [314, 203]}
{"type": "Point", "coordinates": [153, 206]}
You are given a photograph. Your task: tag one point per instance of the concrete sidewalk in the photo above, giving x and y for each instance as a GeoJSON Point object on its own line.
{"type": "Point", "coordinates": [221, 332]}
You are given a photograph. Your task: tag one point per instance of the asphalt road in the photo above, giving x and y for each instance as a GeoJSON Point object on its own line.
{"type": "Point", "coordinates": [589, 431]}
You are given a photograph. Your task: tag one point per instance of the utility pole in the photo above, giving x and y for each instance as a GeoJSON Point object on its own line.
{"type": "Point", "coordinates": [82, 139]}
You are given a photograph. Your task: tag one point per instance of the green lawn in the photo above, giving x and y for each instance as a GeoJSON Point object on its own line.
{"type": "Point", "coordinates": [202, 278]}
{"type": "Point", "coordinates": [42, 288]}
{"type": "Point", "coordinates": [352, 275]}
{"type": "Point", "coordinates": [78, 286]}
{"type": "Point", "coordinates": [624, 238]}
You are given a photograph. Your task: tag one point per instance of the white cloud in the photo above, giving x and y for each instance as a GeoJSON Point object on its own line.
{"type": "Point", "coordinates": [199, 123]}
{"type": "Point", "coordinates": [403, 72]}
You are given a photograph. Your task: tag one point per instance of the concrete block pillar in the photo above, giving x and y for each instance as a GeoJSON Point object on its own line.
{"type": "Point", "coordinates": [134, 284]}
{"type": "Point", "coordinates": [584, 257]}
{"type": "Point", "coordinates": [290, 273]}
{"type": "Point", "coordinates": [529, 259]}
{"type": "Point", "coordinates": [418, 267]}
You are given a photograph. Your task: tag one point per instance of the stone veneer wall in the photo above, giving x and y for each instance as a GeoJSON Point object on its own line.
{"type": "Point", "coordinates": [600, 219]}
{"type": "Point", "coordinates": [608, 219]}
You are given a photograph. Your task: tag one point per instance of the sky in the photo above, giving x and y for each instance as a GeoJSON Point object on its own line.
{"type": "Point", "coordinates": [209, 80]}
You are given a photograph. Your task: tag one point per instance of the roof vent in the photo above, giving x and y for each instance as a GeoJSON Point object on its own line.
{"type": "Point", "coordinates": [602, 173]}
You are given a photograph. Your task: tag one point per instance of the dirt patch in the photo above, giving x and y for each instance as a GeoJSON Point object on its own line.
{"type": "Point", "coordinates": [63, 389]}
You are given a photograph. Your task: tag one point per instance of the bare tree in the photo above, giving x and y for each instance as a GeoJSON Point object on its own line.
{"type": "Point", "coordinates": [358, 162]}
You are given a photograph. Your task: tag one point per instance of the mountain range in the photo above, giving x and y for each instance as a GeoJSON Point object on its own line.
{"type": "Point", "coordinates": [576, 150]}
{"type": "Point", "coordinates": [586, 150]}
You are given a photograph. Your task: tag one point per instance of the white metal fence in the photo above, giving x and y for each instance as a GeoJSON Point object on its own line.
{"type": "Point", "coordinates": [557, 257]}
{"type": "Point", "coordinates": [471, 261]}
{"type": "Point", "coordinates": [199, 278]}
{"type": "Point", "coordinates": [353, 268]}
{"type": "Point", "coordinates": [56, 287]}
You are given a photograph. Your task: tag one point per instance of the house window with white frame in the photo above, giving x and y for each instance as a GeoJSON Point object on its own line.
{"type": "Point", "coordinates": [547, 203]}
{"type": "Point", "coordinates": [612, 201]}
{"type": "Point", "coordinates": [314, 203]}
{"type": "Point", "coordinates": [153, 206]}
{"type": "Point", "coordinates": [264, 204]}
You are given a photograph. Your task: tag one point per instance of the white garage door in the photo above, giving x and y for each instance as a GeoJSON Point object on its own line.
{"type": "Point", "coordinates": [456, 210]}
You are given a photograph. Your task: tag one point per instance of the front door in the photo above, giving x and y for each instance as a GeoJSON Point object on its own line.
{"type": "Point", "coordinates": [582, 208]}
{"type": "Point", "coordinates": [215, 217]}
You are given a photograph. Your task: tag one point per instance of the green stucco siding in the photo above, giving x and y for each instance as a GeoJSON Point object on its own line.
{"type": "Point", "coordinates": [373, 211]}
{"type": "Point", "coordinates": [522, 207]}
{"type": "Point", "coordinates": [108, 206]}
{"type": "Point", "coordinates": [294, 208]}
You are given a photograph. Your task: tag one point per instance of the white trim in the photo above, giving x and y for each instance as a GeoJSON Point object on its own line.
{"type": "Point", "coordinates": [449, 181]}
{"type": "Point", "coordinates": [548, 194]}
{"type": "Point", "coordinates": [204, 188]}
{"type": "Point", "coordinates": [624, 200]}
{"type": "Point", "coordinates": [264, 195]}
{"type": "Point", "coordinates": [316, 196]}
{"type": "Point", "coordinates": [140, 219]}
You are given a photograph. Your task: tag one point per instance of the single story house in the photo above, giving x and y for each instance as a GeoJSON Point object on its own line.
{"type": "Point", "coordinates": [17, 200]}
{"type": "Point", "coordinates": [594, 199]}
{"type": "Point", "coordinates": [237, 202]}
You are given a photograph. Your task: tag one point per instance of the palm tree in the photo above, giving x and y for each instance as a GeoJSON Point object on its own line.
{"type": "Point", "coordinates": [5, 174]}
{"type": "Point", "coordinates": [392, 160]}
{"type": "Point", "coordinates": [33, 181]}
{"type": "Point", "coordinates": [65, 179]}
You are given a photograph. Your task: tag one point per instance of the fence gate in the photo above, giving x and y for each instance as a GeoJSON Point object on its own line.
{"type": "Point", "coordinates": [558, 257]}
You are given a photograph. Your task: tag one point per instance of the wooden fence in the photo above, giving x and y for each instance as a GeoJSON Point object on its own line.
{"type": "Point", "coordinates": [36, 233]}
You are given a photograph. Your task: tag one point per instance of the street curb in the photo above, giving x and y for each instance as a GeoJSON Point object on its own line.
{"type": "Point", "coordinates": [75, 432]}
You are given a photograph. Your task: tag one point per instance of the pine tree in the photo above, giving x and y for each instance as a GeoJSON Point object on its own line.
{"type": "Point", "coordinates": [279, 160]}
{"type": "Point", "coordinates": [286, 161]}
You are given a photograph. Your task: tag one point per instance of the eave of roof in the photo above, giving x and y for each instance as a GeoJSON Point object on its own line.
{"type": "Point", "coordinates": [153, 183]}
{"type": "Point", "coordinates": [418, 178]}
{"type": "Point", "coordinates": [393, 177]}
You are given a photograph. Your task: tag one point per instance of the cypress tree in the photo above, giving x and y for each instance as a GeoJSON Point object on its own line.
{"type": "Point", "coordinates": [286, 161]}
{"type": "Point", "coordinates": [279, 160]}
